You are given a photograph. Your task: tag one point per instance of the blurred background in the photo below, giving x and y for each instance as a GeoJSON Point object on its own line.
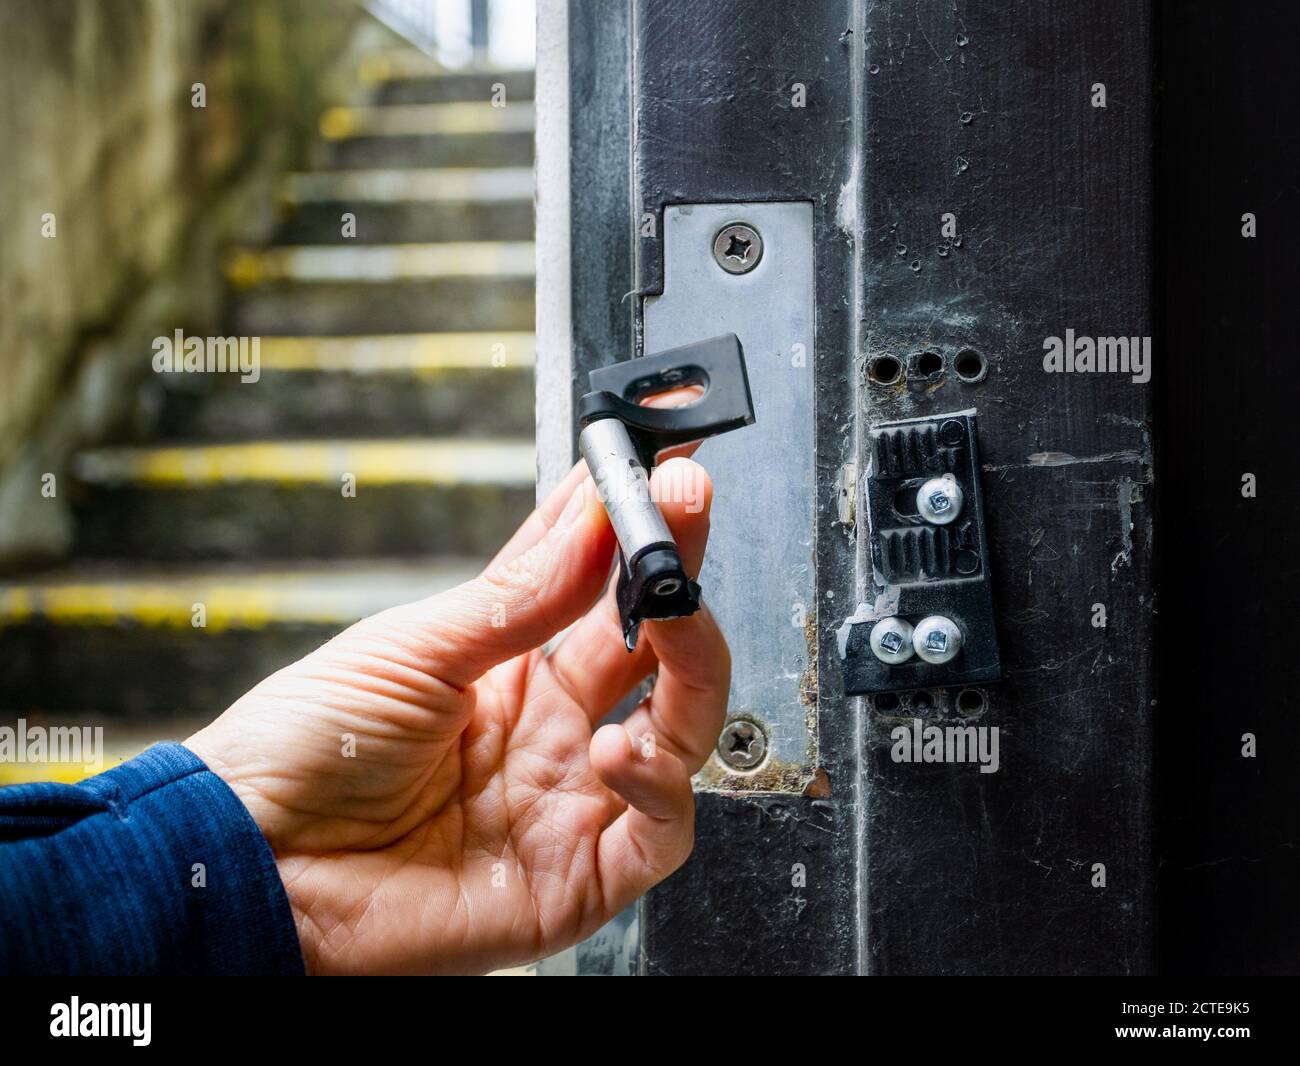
{"type": "Point", "coordinates": [344, 188]}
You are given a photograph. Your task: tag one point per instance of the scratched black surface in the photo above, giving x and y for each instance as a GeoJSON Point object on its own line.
{"type": "Point", "coordinates": [714, 122]}
{"type": "Point", "coordinates": [984, 113]}
{"type": "Point", "coordinates": [599, 146]}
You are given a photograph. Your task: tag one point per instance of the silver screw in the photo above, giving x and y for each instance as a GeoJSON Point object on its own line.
{"type": "Point", "coordinates": [891, 640]}
{"type": "Point", "coordinates": [743, 744]}
{"type": "Point", "coordinates": [737, 248]}
{"type": "Point", "coordinates": [939, 500]}
{"type": "Point", "coordinates": [936, 639]}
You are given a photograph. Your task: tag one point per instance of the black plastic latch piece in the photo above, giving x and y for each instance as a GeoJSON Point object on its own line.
{"type": "Point", "coordinates": [930, 623]}
{"type": "Point", "coordinates": [716, 365]}
{"type": "Point", "coordinates": [621, 440]}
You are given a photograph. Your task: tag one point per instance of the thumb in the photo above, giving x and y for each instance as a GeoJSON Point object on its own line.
{"type": "Point", "coordinates": [518, 604]}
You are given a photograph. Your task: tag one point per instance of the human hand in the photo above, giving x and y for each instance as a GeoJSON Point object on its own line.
{"type": "Point", "coordinates": [480, 822]}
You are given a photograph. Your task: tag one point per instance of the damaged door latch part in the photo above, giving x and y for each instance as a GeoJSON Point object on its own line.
{"type": "Point", "coordinates": [621, 440]}
{"type": "Point", "coordinates": [930, 622]}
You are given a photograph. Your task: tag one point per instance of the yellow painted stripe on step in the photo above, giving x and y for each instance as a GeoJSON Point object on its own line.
{"type": "Point", "coordinates": [115, 745]}
{"type": "Point", "coordinates": [376, 263]}
{"type": "Point", "coordinates": [152, 605]}
{"type": "Point", "coordinates": [417, 353]}
{"type": "Point", "coordinates": [25, 773]}
{"type": "Point", "coordinates": [422, 120]}
{"type": "Point", "coordinates": [387, 66]}
{"type": "Point", "coordinates": [17, 604]}
{"type": "Point", "coordinates": [248, 601]}
{"type": "Point", "coordinates": [396, 65]}
{"type": "Point", "coordinates": [413, 184]}
{"type": "Point", "coordinates": [370, 462]}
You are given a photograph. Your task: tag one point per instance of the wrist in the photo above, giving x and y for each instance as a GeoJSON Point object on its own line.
{"type": "Point", "coordinates": [264, 813]}
{"type": "Point", "coordinates": [204, 745]}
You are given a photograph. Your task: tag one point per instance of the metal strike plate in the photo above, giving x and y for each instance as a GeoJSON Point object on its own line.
{"type": "Point", "coordinates": [759, 573]}
{"type": "Point", "coordinates": [924, 567]}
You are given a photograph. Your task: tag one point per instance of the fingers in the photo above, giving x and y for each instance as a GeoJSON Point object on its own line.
{"type": "Point", "coordinates": [517, 603]}
{"type": "Point", "coordinates": [544, 517]}
{"type": "Point", "coordinates": [689, 703]}
{"type": "Point", "coordinates": [591, 663]}
{"type": "Point", "coordinates": [654, 835]}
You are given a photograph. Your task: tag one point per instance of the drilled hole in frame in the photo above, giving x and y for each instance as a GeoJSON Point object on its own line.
{"type": "Point", "coordinates": [928, 364]}
{"type": "Point", "coordinates": [884, 370]}
{"type": "Point", "coordinates": [970, 701]}
{"type": "Point", "coordinates": [970, 366]}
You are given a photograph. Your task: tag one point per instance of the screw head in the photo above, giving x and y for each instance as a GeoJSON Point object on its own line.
{"type": "Point", "coordinates": [891, 640]}
{"type": "Point", "coordinates": [936, 639]}
{"type": "Point", "coordinates": [743, 744]}
{"type": "Point", "coordinates": [737, 248]}
{"type": "Point", "coordinates": [939, 500]}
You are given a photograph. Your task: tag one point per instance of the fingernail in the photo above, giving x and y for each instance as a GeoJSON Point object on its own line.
{"type": "Point", "coordinates": [577, 503]}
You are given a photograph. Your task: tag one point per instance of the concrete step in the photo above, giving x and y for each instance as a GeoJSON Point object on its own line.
{"type": "Point", "coordinates": [471, 384]}
{"type": "Point", "coordinates": [409, 206]}
{"type": "Point", "coordinates": [123, 642]}
{"type": "Point", "coordinates": [463, 134]}
{"type": "Point", "coordinates": [389, 72]}
{"type": "Point", "coordinates": [379, 66]}
{"type": "Point", "coordinates": [424, 288]}
{"type": "Point", "coordinates": [427, 120]}
{"type": "Point", "coordinates": [379, 263]}
{"type": "Point", "coordinates": [480, 184]}
{"type": "Point", "coordinates": [285, 499]}
{"type": "Point", "coordinates": [341, 308]}
{"type": "Point", "coordinates": [511, 149]}
{"type": "Point", "coordinates": [411, 220]}
{"type": "Point", "coordinates": [412, 86]}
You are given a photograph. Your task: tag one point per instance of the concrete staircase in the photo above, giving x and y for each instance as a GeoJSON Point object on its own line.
{"type": "Point", "coordinates": [399, 360]}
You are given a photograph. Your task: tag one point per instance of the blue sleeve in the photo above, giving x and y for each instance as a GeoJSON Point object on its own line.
{"type": "Point", "coordinates": [153, 867]}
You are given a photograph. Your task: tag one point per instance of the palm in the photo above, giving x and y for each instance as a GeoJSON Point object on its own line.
{"type": "Point", "coordinates": [465, 826]}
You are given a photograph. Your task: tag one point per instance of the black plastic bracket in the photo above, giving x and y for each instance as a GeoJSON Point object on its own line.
{"type": "Point", "coordinates": [716, 365]}
{"type": "Point", "coordinates": [920, 568]}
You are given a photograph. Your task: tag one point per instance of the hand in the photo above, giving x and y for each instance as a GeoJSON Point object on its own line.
{"type": "Point", "coordinates": [480, 823]}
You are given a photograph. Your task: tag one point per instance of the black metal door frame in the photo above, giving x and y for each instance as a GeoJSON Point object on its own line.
{"type": "Point", "coordinates": [969, 195]}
